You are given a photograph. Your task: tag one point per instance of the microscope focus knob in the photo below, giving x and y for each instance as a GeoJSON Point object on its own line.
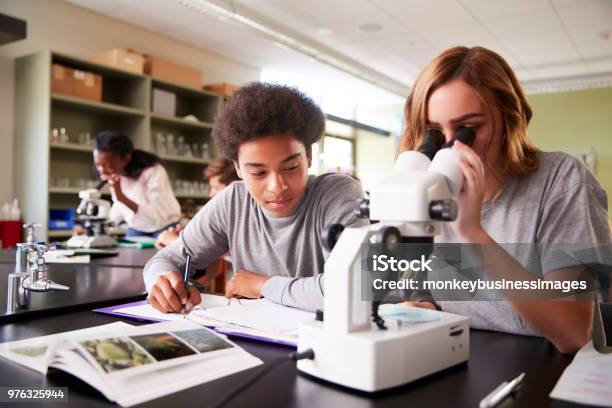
{"type": "Point", "coordinates": [362, 210]}
{"type": "Point", "coordinates": [331, 234]}
{"type": "Point", "coordinates": [443, 210]}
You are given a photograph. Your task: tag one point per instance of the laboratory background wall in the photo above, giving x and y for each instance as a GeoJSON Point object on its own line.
{"type": "Point", "coordinates": [573, 122]}
{"type": "Point", "coordinates": [65, 28]}
{"type": "Point", "coordinates": [6, 129]}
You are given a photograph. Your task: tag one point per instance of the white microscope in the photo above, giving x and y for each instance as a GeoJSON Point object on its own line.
{"type": "Point", "coordinates": [93, 214]}
{"type": "Point", "coordinates": [352, 345]}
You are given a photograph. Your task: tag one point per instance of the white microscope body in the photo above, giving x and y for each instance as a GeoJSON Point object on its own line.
{"type": "Point", "coordinates": [93, 213]}
{"type": "Point", "coordinates": [349, 349]}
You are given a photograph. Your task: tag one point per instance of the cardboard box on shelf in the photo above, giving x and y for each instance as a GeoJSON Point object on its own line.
{"type": "Point", "coordinates": [222, 88]}
{"type": "Point", "coordinates": [87, 85]}
{"type": "Point", "coordinates": [62, 80]}
{"type": "Point", "coordinates": [169, 71]}
{"type": "Point", "coordinates": [164, 102]}
{"type": "Point", "coordinates": [126, 60]}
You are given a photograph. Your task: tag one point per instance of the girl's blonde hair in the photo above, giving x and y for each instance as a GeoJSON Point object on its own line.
{"type": "Point", "coordinates": [491, 76]}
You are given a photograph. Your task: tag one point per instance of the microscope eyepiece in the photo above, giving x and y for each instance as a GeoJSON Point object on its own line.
{"type": "Point", "coordinates": [433, 140]}
{"type": "Point", "coordinates": [465, 134]}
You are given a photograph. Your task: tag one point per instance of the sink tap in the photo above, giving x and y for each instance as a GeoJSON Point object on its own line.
{"type": "Point", "coordinates": [36, 279]}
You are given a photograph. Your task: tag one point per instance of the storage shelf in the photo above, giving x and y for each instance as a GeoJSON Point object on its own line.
{"type": "Point", "coordinates": [87, 65]}
{"type": "Point", "coordinates": [72, 146]}
{"type": "Point", "coordinates": [72, 190]}
{"type": "Point", "coordinates": [179, 159]}
{"type": "Point", "coordinates": [169, 86]}
{"type": "Point", "coordinates": [159, 118]}
{"type": "Point", "coordinates": [194, 195]}
{"type": "Point", "coordinates": [93, 106]}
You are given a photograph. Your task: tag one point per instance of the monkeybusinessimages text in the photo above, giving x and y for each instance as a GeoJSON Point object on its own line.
{"type": "Point", "coordinates": [385, 263]}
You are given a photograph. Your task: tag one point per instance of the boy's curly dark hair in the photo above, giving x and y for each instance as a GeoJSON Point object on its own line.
{"type": "Point", "coordinates": [261, 109]}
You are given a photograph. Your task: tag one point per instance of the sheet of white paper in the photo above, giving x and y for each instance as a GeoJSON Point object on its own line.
{"type": "Point", "coordinates": [587, 380]}
{"type": "Point", "coordinates": [148, 311]}
{"type": "Point", "coordinates": [65, 256]}
{"type": "Point", "coordinates": [258, 314]}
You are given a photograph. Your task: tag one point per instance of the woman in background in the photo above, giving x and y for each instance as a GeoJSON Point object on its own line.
{"type": "Point", "coordinates": [219, 174]}
{"type": "Point", "coordinates": [140, 187]}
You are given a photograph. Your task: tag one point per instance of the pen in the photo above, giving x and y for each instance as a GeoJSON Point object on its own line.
{"type": "Point", "coordinates": [186, 280]}
{"type": "Point", "coordinates": [501, 392]}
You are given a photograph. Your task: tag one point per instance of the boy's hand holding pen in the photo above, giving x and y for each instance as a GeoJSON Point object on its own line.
{"type": "Point", "coordinates": [171, 292]}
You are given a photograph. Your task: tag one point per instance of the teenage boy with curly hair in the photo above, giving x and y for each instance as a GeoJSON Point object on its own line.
{"type": "Point", "coordinates": [272, 221]}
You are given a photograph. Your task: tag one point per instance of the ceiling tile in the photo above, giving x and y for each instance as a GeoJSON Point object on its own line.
{"type": "Point", "coordinates": [548, 57]}
{"type": "Point", "coordinates": [586, 13]}
{"type": "Point", "coordinates": [105, 6]}
{"type": "Point", "coordinates": [464, 34]}
{"type": "Point", "coordinates": [591, 41]}
{"type": "Point", "coordinates": [486, 9]}
{"type": "Point", "coordinates": [594, 51]}
{"type": "Point", "coordinates": [209, 32]}
{"type": "Point", "coordinates": [425, 15]}
{"type": "Point", "coordinates": [147, 20]}
{"type": "Point", "coordinates": [600, 66]}
{"type": "Point", "coordinates": [328, 12]}
{"type": "Point", "coordinates": [287, 14]}
{"type": "Point", "coordinates": [520, 25]}
{"type": "Point", "coordinates": [348, 27]}
{"type": "Point", "coordinates": [522, 74]}
{"type": "Point", "coordinates": [539, 42]}
{"type": "Point", "coordinates": [394, 44]}
{"type": "Point", "coordinates": [559, 3]}
{"type": "Point", "coordinates": [592, 35]}
{"type": "Point", "coordinates": [559, 71]}
{"type": "Point", "coordinates": [174, 13]}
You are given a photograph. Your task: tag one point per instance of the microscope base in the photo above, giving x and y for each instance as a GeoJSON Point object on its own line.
{"type": "Point", "coordinates": [375, 360]}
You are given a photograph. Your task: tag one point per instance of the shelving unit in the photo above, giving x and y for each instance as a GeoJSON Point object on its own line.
{"type": "Point", "coordinates": [126, 106]}
{"type": "Point", "coordinates": [71, 146]}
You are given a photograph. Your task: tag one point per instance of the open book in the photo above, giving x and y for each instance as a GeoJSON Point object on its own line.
{"type": "Point", "coordinates": [259, 319]}
{"type": "Point", "coordinates": [134, 364]}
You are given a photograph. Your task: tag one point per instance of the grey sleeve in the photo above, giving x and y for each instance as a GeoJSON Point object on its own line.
{"type": "Point", "coordinates": [304, 293]}
{"type": "Point", "coordinates": [335, 206]}
{"type": "Point", "coordinates": [574, 221]}
{"type": "Point", "coordinates": [205, 239]}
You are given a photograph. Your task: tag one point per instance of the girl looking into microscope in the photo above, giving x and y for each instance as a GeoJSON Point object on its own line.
{"type": "Point", "coordinates": [513, 192]}
{"type": "Point", "coordinates": [140, 187]}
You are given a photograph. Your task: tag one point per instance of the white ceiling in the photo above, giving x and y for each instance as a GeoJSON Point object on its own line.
{"type": "Point", "coordinates": [541, 39]}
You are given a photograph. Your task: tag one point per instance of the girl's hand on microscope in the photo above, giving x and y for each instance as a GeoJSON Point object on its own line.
{"type": "Point", "coordinates": [468, 225]}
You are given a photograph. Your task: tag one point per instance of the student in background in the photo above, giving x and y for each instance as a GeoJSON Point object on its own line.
{"type": "Point", "coordinates": [513, 192]}
{"type": "Point", "coordinates": [219, 174]}
{"type": "Point", "coordinates": [140, 188]}
{"type": "Point", "coordinates": [272, 221]}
